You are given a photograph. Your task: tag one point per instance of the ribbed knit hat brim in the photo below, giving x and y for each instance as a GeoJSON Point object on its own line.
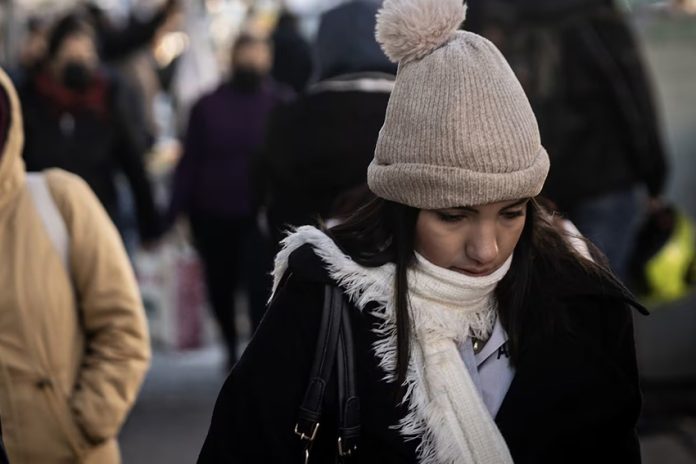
{"type": "Point", "coordinates": [426, 186]}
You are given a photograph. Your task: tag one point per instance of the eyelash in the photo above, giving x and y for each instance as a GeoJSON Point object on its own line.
{"type": "Point", "coordinates": [513, 214]}
{"type": "Point", "coordinates": [449, 217]}
{"type": "Point", "coordinates": [456, 218]}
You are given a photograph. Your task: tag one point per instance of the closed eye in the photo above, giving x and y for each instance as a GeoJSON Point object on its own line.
{"type": "Point", "coordinates": [512, 214]}
{"type": "Point", "coordinates": [446, 217]}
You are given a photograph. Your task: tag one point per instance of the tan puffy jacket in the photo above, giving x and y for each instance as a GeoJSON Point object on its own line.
{"type": "Point", "coordinates": [73, 349]}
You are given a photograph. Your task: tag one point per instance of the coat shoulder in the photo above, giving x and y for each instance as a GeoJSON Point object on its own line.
{"type": "Point", "coordinates": [70, 192]}
{"type": "Point", "coordinates": [60, 180]}
{"type": "Point", "coordinates": [579, 286]}
{"type": "Point", "coordinates": [305, 264]}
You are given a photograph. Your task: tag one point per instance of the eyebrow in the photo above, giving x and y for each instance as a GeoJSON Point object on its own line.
{"type": "Point", "coordinates": [515, 204]}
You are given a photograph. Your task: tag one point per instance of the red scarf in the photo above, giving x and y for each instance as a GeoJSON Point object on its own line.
{"type": "Point", "coordinates": [93, 98]}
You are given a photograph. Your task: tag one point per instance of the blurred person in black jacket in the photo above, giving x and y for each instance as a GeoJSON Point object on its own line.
{"type": "Point", "coordinates": [32, 49]}
{"type": "Point", "coordinates": [116, 42]}
{"type": "Point", "coordinates": [581, 68]}
{"type": "Point", "coordinates": [77, 118]}
{"type": "Point", "coordinates": [292, 60]}
{"type": "Point", "coordinates": [127, 48]}
{"type": "Point", "coordinates": [318, 148]}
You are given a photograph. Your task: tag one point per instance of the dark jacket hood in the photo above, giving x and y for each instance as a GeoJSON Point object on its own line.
{"type": "Point", "coordinates": [346, 41]}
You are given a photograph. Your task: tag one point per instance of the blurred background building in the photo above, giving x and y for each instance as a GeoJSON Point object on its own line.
{"type": "Point", "coordinates": [169, 54]}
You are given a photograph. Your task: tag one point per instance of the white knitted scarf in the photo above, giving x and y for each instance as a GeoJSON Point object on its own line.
{"type": "Point", "coordinates": [445, 409]}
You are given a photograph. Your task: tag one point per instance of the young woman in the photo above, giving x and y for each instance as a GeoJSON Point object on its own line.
{"type": "Point", "coordinates": [480, 334]}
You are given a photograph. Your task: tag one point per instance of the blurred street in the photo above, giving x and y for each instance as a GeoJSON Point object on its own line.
{"type": "Point", "coordinates": [172, 415]}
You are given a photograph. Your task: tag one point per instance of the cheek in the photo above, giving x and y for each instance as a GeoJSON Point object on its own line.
{"type": "Point", "coordinates": [508, 237]}
{"type": "Point", "coordinates": [438, 242]}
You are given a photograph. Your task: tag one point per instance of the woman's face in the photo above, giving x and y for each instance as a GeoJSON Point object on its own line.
{"type": "Point", "coordinates": [473, 240]}
{"type": "Point", "coordinates": [77, 48]}
{"type": "Point", "coordinates": [256, 56]}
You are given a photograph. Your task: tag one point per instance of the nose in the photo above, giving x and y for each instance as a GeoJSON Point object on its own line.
{"type": "Point", "coordinates": [482, 245]}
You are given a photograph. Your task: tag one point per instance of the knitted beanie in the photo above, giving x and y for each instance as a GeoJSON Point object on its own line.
{"type": "Point", "coordinates": [459, 130]}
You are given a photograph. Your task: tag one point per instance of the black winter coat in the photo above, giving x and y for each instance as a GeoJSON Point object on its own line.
{"type": "Point", "coordinates": [574, 398]}
{"type": "Point", "coordinates": [93, 147]}
{"type": "Point", "coordinates": [318, 148]}
{"type": "Point", "coordinates": [581, 67]}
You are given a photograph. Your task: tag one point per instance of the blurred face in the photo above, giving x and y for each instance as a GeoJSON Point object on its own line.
{"type": "Point", "coordinates": [33, 48]}
{"type": "Point", "coordinates": [255, 56]}
{"type": "Point", "coordinates": [76, 49]}
{"type": "Point", "coordinates": [475, 240]}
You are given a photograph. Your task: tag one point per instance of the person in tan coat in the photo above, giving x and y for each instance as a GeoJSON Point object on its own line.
{"type": "Point", "coordinates": [74, 344]}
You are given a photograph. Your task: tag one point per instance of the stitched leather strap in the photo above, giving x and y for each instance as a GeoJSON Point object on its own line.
{"type": "Point", "coordinates": [327, 343]}
{"type": "Point", "coordinates": [334, 345]}
{"type": "Point", "coordinates": [348, 401]}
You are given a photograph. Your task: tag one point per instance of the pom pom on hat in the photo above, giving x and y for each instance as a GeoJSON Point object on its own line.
{"type": "Point", "coordinates": [408, 30]}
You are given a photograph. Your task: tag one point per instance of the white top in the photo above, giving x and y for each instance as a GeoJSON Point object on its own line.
{"type": "Point", "coordinates": [490, 369]}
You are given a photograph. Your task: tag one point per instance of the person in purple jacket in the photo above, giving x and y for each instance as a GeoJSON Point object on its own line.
{"type": "Point", "coordinates": [213, 186]}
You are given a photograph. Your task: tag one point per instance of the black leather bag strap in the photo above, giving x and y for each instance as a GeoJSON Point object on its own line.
{"type": "Point", "coordinates": [348, 400]}
{"type": "Point", "coordinates": [334, 345]}
{"type": "Point", "coordinates": [324, 358]}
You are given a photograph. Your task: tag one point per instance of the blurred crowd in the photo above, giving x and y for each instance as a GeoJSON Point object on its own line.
{"type": "Point", "coordinates": [281, 139]}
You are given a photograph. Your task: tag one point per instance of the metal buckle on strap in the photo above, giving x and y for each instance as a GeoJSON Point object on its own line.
{"type": "Point", "coordinates": [343, 452]}
{"type": "Point", "coordinates": [307, 437]}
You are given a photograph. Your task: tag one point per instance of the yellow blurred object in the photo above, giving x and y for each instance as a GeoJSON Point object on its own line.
{"type": "Point", "coordinates": [670, 273]}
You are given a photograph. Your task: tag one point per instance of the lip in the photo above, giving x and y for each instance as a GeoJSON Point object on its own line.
{"type": "Point", "coordinates": [477, 273]}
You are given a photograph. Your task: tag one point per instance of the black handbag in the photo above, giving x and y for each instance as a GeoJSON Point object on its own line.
{"type": "Point", "coordinates": [334, 349]}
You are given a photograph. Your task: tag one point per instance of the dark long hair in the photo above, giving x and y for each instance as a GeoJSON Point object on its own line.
{"type": "Point", "coordinates": [383, 232]}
